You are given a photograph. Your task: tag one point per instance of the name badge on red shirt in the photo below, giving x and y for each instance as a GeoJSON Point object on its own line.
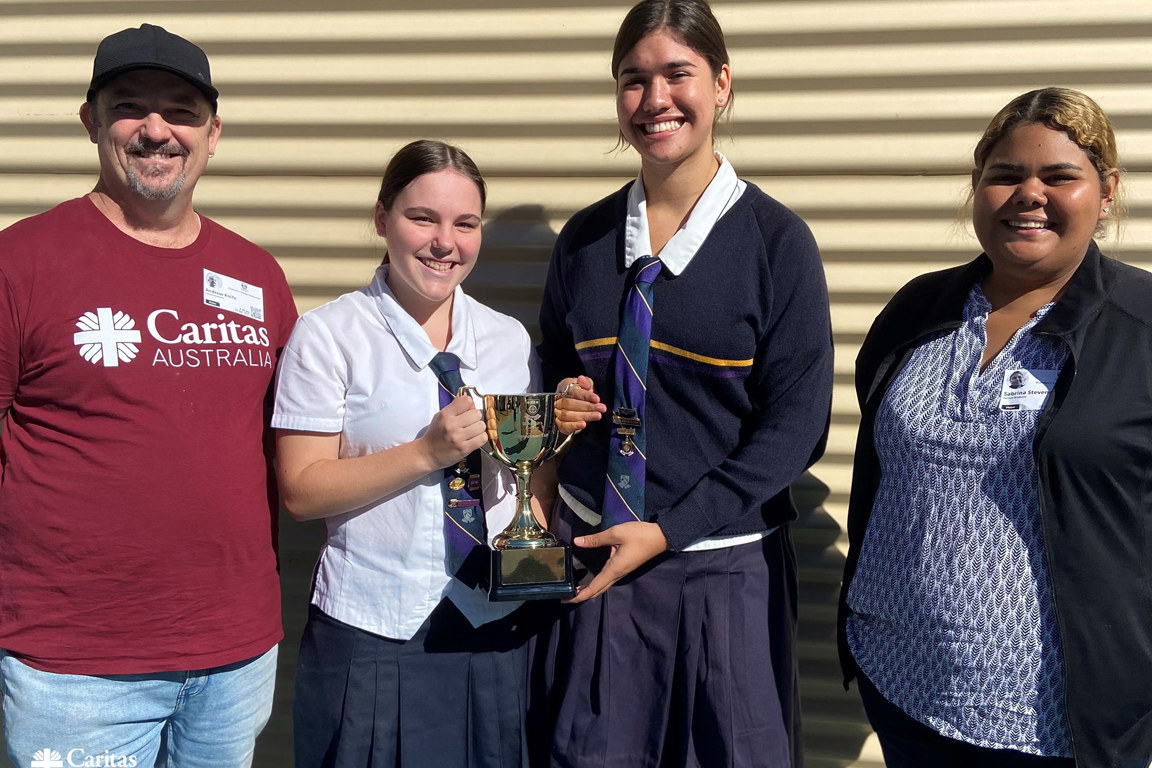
{"type": "Point", "coordinates": [233, 295]}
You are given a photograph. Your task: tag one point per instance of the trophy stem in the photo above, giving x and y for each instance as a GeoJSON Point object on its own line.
{"type": "Point", "coordinates": [528, 562]}
{"type": "Point", "coordinates": [524, 532]}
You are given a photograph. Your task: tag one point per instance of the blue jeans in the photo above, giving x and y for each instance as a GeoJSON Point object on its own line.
{"type": "Point", "coordinates": [201, 719]}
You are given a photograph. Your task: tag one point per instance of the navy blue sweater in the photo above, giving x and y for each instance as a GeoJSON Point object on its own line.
{"type": "Point", "coordinates": [740, 367]}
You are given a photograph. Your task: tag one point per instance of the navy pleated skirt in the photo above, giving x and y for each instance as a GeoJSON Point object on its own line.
{"type": "Point", "coordinates": [688, 662]}
{"type": "Point", "coordinates": [453, 695]}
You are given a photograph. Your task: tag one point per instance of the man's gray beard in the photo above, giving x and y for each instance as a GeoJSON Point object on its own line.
{"type": "Point", "coordinates": [136, 184]}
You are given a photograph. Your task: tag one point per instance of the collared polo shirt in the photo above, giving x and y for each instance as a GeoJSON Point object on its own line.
{"type": "Point", "coordinates": [359, 366]}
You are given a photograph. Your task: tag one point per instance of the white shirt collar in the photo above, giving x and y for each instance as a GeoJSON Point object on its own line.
{"type": "Point", "coordinates": [720, 195]}
{"type": "Point", "coordinates": [412, 338]}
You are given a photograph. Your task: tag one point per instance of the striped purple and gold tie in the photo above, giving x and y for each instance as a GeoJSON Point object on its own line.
{"type": "Point", "coordinates": [464, 529]}
{"type": "Point", "coordinates": [627, 447]}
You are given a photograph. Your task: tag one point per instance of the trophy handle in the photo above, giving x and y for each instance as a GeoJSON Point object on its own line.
{"type": "Point", "coordinates": [559, 450]}
{"type": "Point", "coordinates": [473, 393]}
{"type": "Point", "coordinates": [489, 447]}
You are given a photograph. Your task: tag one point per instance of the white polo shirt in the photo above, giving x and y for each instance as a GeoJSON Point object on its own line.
{"type": "Point", "coordinates": [359, 366]}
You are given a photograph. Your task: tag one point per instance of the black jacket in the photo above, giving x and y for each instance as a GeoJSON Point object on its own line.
{"type": "Point", "coordinates": [1093, 451]}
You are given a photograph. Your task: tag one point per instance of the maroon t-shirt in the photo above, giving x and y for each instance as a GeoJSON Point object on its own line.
{"type": "Point", "coordinates": [136, 506]}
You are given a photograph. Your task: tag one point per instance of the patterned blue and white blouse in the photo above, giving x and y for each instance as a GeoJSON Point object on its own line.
{"type": "Point", "coordinates": [952, 612]}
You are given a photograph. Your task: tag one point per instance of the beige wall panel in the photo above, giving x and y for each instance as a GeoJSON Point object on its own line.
{"type": "Point", "coordinates": [536, 156]}
{"type": "Point", "coordinates": [912, 58]}
{"type": "Point", "coordinates": [919, 108]}
{"type": "Point", "coordinates": [859, 114]}
{"type": "Point", "coordinates": [889, 17]}
{"type": "Point", "coordinates": [367, 110]}
{"type": "Point", "coordinates": [841, 439]}
{"type": "Point", "coordinates": [901, 112]}
{"type": "Point", "coordinates": [304, 22]}
{"type": "Point", "coordinates": [311, 23]}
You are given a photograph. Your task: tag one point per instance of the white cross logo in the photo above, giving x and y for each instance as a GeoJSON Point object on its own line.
{"type": "Point", "coordinates": [47, 758]}
{"type": "Point", "coordinates": [107, 337]}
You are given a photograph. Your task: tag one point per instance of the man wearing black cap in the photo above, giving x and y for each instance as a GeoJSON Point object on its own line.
{"type": "Point", "coordinates": [139, 597]}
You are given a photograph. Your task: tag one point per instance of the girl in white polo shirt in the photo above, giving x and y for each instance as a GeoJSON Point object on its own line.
{"type": "Point", "coordinates": [401, 663]}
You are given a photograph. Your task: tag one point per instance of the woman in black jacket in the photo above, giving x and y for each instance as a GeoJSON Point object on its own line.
{"type": "Point", "coordinates": [997, 600]}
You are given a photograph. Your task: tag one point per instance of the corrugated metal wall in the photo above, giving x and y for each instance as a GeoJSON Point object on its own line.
{"type": "Point", "coordinates": [860, 114]}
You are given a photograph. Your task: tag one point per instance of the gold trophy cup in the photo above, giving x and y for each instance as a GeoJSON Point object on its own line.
{"type": "Point", "coordinates": [528, 562]}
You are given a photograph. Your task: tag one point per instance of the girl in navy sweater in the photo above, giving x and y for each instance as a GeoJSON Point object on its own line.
{"type": "Point", "coordinates": [697, 307]}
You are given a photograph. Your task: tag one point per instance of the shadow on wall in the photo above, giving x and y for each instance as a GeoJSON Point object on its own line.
{"type": "Point", "coordinates": [833, 720]}
{"type": "Point", "coordinates": [513, 264]}
{"type": "Point", "coordinates": [299, 548]}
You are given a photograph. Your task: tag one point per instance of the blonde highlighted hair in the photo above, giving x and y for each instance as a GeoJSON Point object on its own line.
{"type": "Point", "coordinates": [1061, 109]}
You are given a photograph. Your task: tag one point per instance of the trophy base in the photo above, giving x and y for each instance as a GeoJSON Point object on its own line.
{"type": "Point", "coordinates": [539, 573]}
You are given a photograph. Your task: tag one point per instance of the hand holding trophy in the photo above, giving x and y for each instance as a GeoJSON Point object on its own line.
{"type": "Point", "coordinates": [528, 562]}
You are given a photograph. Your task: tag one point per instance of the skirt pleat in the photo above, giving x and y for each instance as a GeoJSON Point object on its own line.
{"type": "Point", "coordinates": [453, 695]}
{"type": "Point", "coordinates": [674, 665]}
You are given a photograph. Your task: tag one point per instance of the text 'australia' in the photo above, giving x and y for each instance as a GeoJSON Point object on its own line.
{"type": "Point", "coordinates": [210, 345]}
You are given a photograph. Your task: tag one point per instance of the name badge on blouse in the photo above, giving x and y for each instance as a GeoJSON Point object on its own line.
{"type": "Point", "coordinates": [1026, 390]}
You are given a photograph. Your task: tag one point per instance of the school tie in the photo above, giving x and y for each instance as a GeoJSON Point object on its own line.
{"type": "Point", "coordinates": [627, 448]}
{"type": "Point", "coordinates": [464, 530]}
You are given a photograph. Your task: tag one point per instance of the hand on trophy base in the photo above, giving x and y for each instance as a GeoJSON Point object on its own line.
{"type": "Point", "coordinates": [535, 573]}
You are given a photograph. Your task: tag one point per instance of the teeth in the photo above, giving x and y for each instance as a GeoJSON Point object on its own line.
{"type": "Point", "coordinates": [439, 266]}
{"type": "Point", "coordinates": [665, 126]}
{"type": "Point", "coordinates": [1028, 224]}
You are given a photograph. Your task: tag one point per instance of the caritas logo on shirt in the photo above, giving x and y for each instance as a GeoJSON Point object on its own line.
{"type": "Point", "coordinates": [110, 338]}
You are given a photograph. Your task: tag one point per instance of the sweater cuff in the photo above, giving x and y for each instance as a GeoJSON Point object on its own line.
{"type": "Point", "coordinates": [683, 524]}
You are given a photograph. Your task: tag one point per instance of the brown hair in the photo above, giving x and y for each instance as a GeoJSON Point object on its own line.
{"type": "Point", "coordinates": [689, 21]}
{"type": "Point", "coordinates": [423, 156]}
{"type": "Point", "coordinates": [426, 156]}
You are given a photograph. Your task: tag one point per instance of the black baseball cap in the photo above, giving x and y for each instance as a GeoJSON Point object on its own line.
{"type": "Point", "coordinates": [151, 47]}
